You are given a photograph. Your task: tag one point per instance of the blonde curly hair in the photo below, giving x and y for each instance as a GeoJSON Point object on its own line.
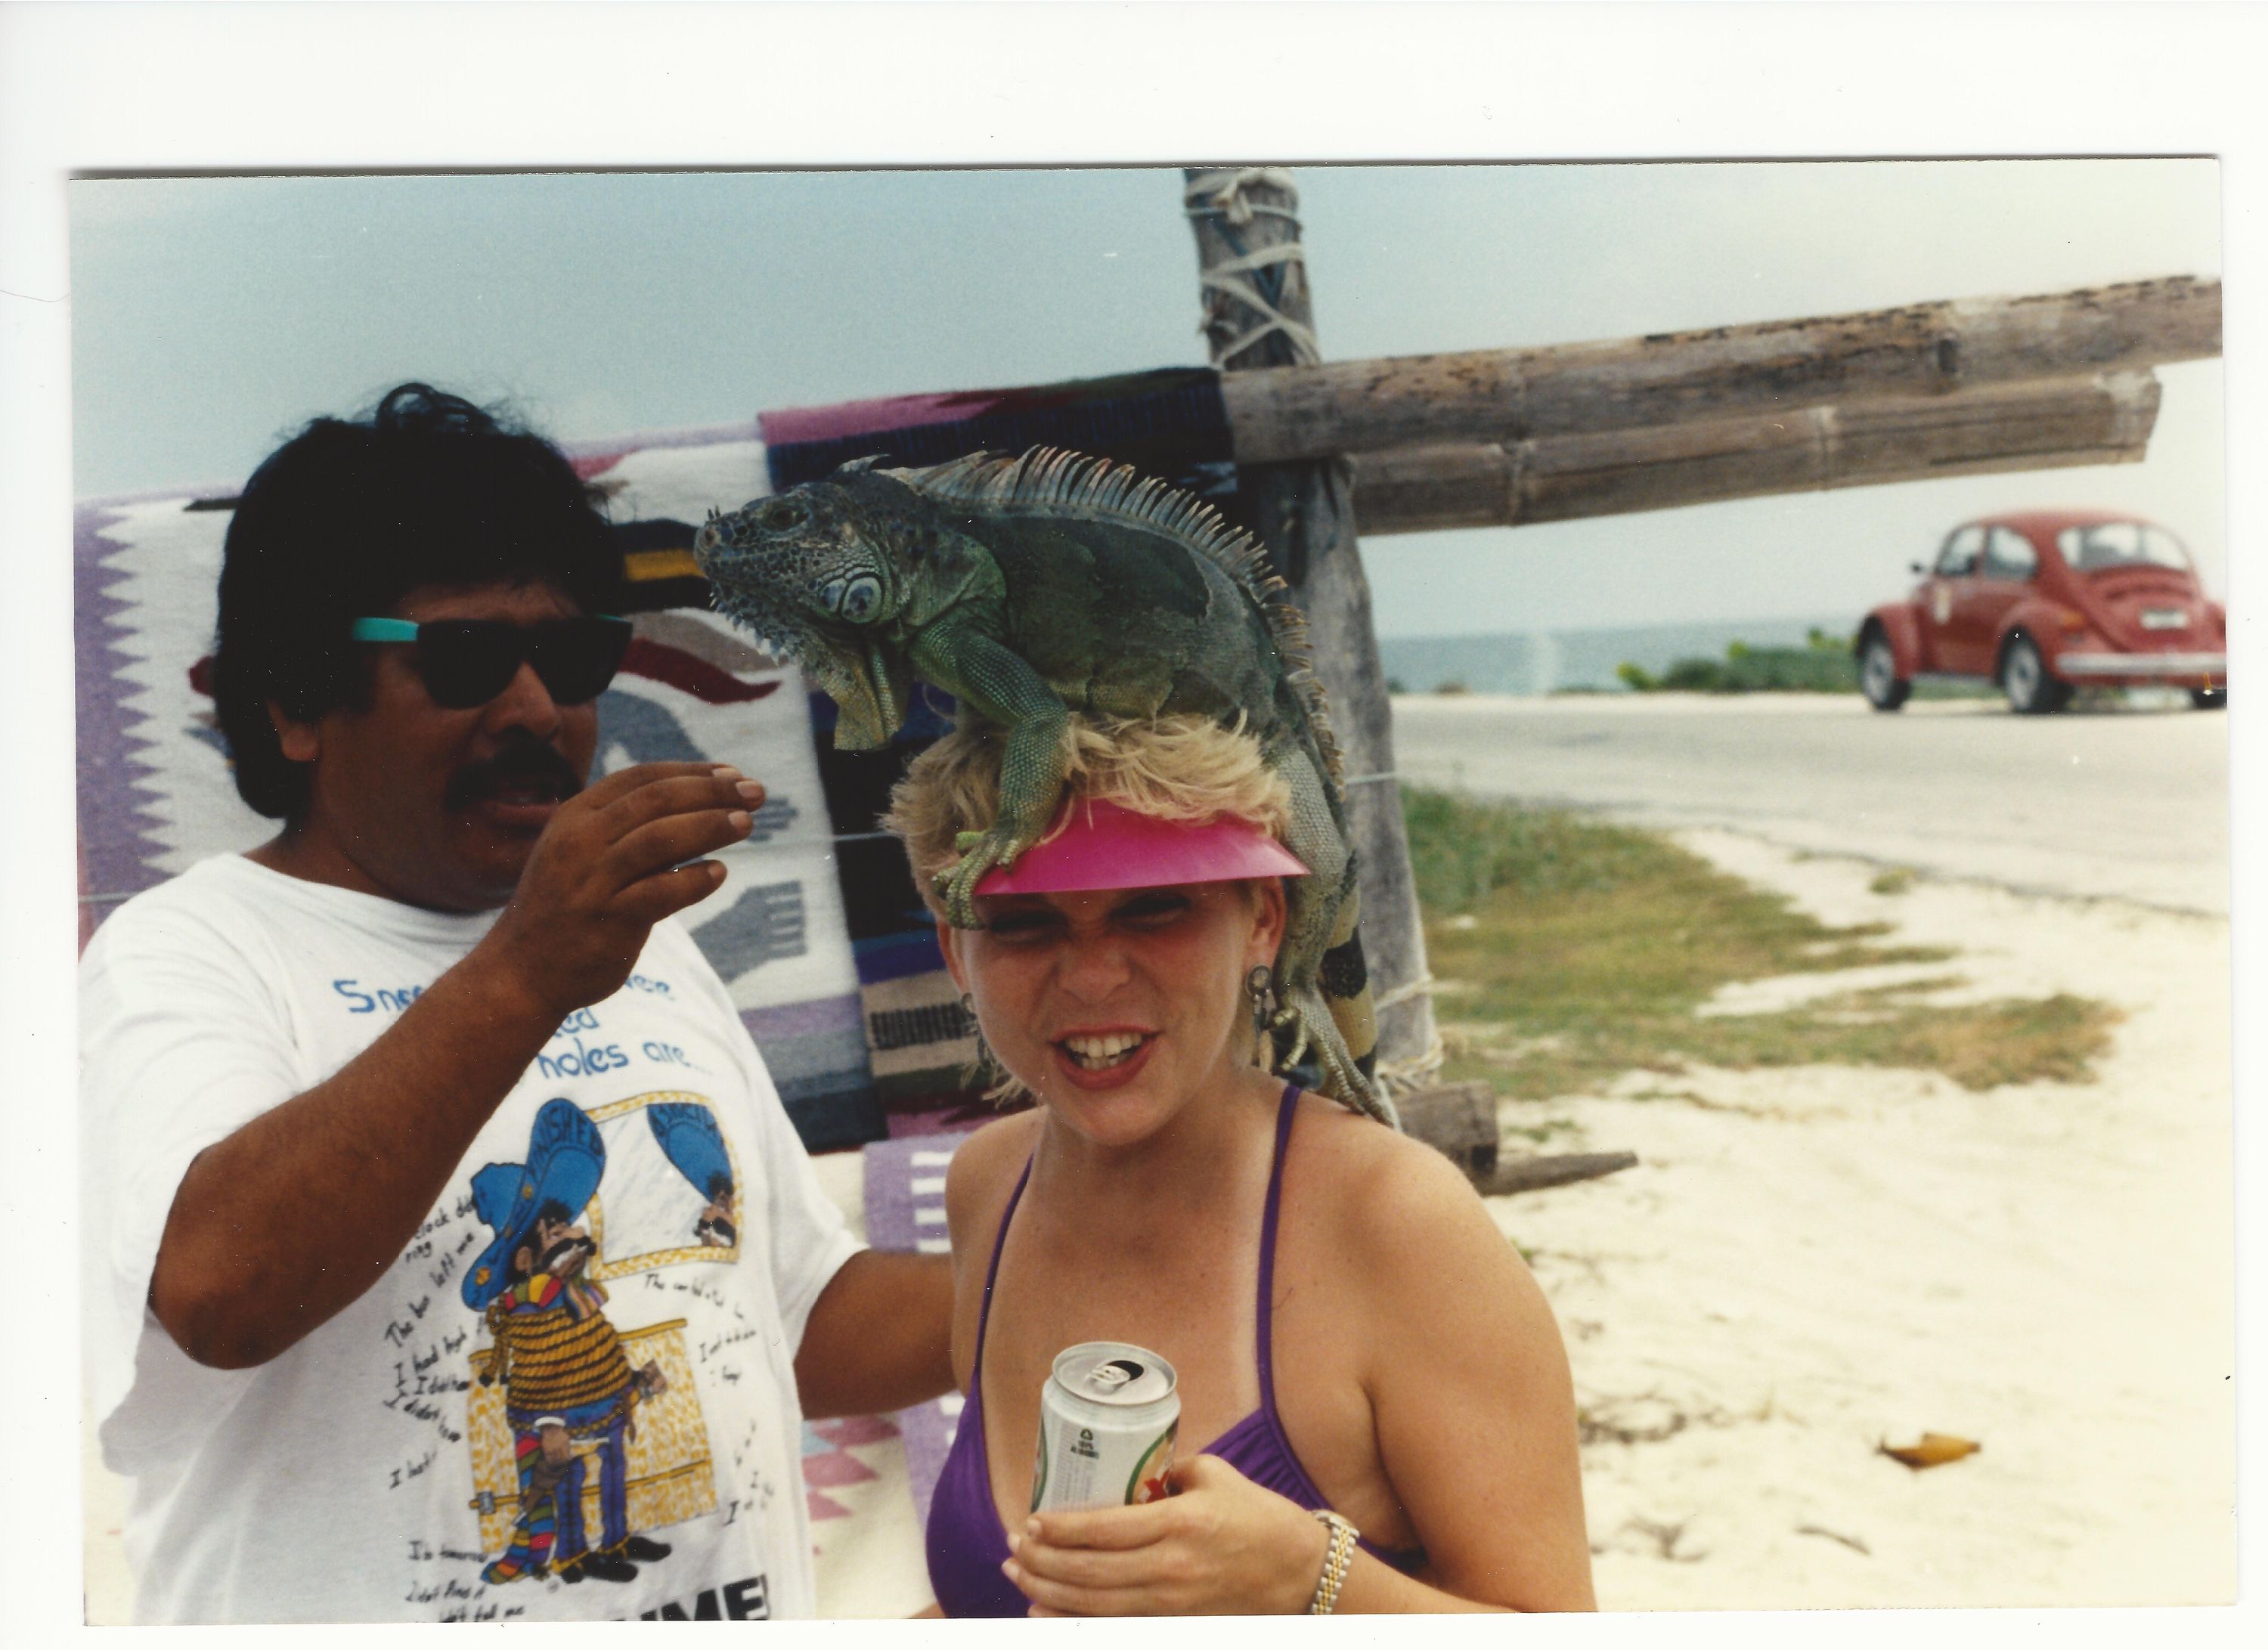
{"type": "Point", "coordinates": [1181, 767]}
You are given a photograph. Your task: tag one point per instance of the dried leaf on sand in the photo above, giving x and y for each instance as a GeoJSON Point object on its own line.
{"type": "Point", "coordinates": [1935, 1450]}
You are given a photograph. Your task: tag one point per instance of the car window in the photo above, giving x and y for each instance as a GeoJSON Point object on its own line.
{"type": "Point", "coordinates": [2121, 544]}
{"type": "Point", "coordinates": [2008, 554]}
{"type": "Point", "coordinates": [1959, 557]}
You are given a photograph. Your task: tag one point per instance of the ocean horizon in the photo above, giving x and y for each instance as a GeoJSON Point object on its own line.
{"type": "Point", "coordinates": [1540, 661]}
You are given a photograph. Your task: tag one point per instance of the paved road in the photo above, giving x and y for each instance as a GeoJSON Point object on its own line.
{"type": "Point", "coordinates": [2130, 802]}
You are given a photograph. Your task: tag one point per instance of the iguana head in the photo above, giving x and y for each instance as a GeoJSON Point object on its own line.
{"type": "Point", "coordinates": [814, 572]}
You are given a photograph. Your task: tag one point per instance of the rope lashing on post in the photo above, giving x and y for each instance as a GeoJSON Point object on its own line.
{"type": "Point", "coordinates": [1422, 986]}
{"type": "Point", "coordinates": [1222, 279]}
{"type": "Point", "coordinates": [1221, 194]}
{"type": "Point", "coordinates": [1221, 189]}
{"type": "Point", "coordinates": [1406, 1077]}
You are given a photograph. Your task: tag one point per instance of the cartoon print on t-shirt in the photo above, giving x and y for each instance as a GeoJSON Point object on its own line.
{"type": "Point", "coordinates": [596, 1424]}
{"type": "Point", "coordinates": [689, 1137]}
{"type": "Point", "coordinates": [672, 1197]}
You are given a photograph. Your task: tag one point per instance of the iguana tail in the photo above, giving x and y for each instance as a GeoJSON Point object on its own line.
{"type": "Point", "coordinates": [1345, 981]}
{"type": "Point", "coordinates": [1343, 1057]}
{"type": "Point", "coordinates": [1325, 1022]}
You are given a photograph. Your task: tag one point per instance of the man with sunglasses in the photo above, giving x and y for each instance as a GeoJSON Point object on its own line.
{"type": "Point", "coordinates": [321, 1078]}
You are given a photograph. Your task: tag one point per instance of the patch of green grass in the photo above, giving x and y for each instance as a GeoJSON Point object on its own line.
{"type": "Point", "coordinates": [1896, 879]}
{"type": "Point", "coordinates": [1590, 945]}
{"type": "Point", "coordinates": [1463, 851]}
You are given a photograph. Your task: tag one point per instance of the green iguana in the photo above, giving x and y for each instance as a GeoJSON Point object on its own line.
{"type": "Point", "coordinates": [1033, 588]}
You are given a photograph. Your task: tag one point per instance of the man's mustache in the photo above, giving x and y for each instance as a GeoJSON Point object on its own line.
{"type": "Point", "coordinates": [523, 759]}
{"type": "Point", "coordinates": [564, 1248]}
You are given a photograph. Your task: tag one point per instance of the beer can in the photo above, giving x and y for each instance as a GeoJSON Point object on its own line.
{"type": "Point", "coordinates": [1107, 1418]}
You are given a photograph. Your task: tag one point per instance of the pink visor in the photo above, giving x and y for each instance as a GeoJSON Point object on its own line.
{"type": "Point", "coordinates": [1102, 845]}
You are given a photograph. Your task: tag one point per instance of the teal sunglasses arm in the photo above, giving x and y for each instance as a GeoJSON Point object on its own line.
{"type": "Point", "coordinates": [382, 630]}
{"type": "Point", "coordinates": [405, 630]}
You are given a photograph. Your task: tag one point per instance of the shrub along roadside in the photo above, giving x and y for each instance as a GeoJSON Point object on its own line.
{"type": "Point", "coordinates": [1824, 663]}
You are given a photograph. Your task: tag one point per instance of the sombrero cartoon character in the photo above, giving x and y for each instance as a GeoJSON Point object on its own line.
{"type": "Point", "coordinates": [567, 1380]}
{"type": "Point", "coordinates": [689, 1137]}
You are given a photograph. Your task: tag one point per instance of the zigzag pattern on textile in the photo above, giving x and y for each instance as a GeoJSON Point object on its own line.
{"type": "Point", "coordinates": [173, 558]}
{"type": "Point", "coordinates": [124, 848]}
{"type": "Point", "coordinates": [1051, 482]}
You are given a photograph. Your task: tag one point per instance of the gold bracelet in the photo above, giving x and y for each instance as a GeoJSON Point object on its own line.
{"type": "Point", "coordinates": [1336, 1559]}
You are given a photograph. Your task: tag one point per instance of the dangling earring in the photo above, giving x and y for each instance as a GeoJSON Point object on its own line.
{"type": "Point", "coordinates": [1258, 985]}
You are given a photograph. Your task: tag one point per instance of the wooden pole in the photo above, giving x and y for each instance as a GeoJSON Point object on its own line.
{"type": "Point", "coordinates": [1258, 313]}
{"type": "Point", "coordinates": [1508, 395]}
{"type": "Point", "coordinates": [2025, 425]}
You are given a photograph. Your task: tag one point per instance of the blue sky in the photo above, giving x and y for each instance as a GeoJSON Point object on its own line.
{"type": "Point", "coordinates": [212, 314]}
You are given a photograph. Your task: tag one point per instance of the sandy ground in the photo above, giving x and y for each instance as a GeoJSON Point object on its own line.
{"type": "Point", "coordinates": [1808, 1263]}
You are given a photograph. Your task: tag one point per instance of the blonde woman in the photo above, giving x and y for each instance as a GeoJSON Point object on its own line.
{"type": "Point", "coordinates": [1376, 1413]}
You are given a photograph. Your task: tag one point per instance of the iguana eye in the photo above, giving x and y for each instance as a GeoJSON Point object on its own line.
{"type": "Point", "coordinates": [781, 514]}
{"type": "Point", "coordinates": [861, 598]}
{"type": "Point", "coordinates": [831, 595]}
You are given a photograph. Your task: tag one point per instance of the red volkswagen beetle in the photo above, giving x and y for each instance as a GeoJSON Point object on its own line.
{"type": "Point", "coordinates": [2046, 602]}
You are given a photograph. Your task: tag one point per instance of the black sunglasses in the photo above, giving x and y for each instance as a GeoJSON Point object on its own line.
{"type": "Point", "coordinates": [468, 662]}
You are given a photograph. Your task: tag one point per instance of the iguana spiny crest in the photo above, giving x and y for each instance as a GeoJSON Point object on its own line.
{"type": "Point", "coordinates": [1032, 587]}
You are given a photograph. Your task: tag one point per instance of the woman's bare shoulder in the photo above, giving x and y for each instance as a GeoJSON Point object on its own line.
{"type": "Point", "coordinates": [984, 1169]}
{"type": "Point", "coordinates": [1377, 1174]}
{"type": "Point", "coordinates": [1433, 1280]}
{"type": "Point", "coordinates": [1398, 1206]}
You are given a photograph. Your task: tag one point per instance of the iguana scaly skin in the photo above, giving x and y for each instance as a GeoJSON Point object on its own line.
{"type": "Point", "coordinates": [1033, 588]}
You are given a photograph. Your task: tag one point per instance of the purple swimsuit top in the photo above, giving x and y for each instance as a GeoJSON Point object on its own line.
{"type": "Point", "coordinates": [966, 1544]}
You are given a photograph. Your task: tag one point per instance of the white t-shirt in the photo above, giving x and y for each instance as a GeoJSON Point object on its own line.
{"type": "Point", "coordinates": [379, 1469]}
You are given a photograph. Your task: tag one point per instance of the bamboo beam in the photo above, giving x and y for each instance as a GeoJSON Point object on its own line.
{"type": "Point", "coordinates": [1505, 395]}
{"type": "Point", "coordinates": [2030, 426]}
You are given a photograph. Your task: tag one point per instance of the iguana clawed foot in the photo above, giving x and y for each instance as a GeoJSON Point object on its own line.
{"type": "Point", "coordinates": [980, 852]}
{"type": "Point", "coordinates": [1307, 1018]}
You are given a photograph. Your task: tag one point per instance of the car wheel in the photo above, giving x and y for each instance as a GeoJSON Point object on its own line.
{"type": "Point", "coordinates": [2209, 698]}
{"type": "Point", "coordinates": [2024, 678]}
{"type": "Point", "coordinates": [1878, 674]}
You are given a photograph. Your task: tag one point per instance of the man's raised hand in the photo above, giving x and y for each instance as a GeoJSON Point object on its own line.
{"type": "Point", "coordinates": [615, 859]}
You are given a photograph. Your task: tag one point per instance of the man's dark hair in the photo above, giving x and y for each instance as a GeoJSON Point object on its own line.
{"type": "Point", "coordinates": [349, 517]}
